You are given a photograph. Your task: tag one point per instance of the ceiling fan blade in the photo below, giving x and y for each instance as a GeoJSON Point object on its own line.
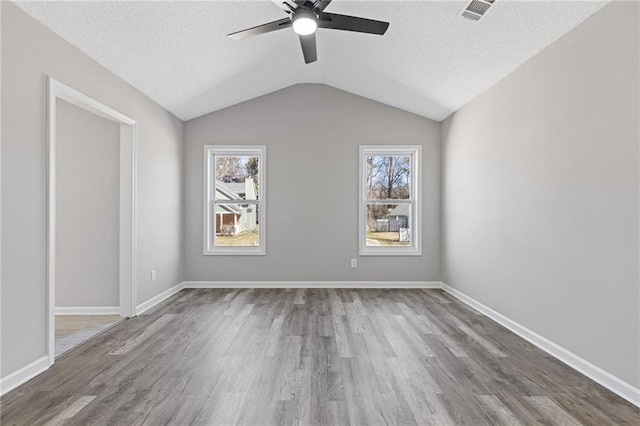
{"type": "Point", "coordinates": [321, 5]}
{"type": "Point", "coordinates": [308, 43]}
{"type": "Point", "coordinates": [335, 21]}
{"type": "Point", "coordinates": [261, 29]}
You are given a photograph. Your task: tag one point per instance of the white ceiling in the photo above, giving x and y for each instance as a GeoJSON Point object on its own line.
{"type": "Point", "coordinates": [430, 62]}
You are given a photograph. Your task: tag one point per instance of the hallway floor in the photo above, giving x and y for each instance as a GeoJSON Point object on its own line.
{"type": "Point", "coordinates": [72, 330]}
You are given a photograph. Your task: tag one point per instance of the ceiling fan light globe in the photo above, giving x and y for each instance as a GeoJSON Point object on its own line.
{"type": "Point", "coordinates": [304, 25]}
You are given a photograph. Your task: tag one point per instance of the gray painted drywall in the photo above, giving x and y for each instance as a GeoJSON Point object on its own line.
{"type": "Point", "coordinates": [30, 52]}
{"type": "Point", "coordinates": [87, 208]}
{"type": "Point", "coordinates": [312, 133]}
{"type": "Point", "coordinates": [540, 193]}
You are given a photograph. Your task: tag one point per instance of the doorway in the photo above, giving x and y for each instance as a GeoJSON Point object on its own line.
{"type": "Point", "coordinates": [91, 218]}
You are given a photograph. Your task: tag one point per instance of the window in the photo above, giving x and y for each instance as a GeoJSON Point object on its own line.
{"type": "Point", "coordinates": [234, 200]}
{"type": "Point", "coordinates": [389, 200]}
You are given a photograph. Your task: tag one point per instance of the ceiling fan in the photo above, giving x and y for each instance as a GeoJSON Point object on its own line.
{"type": "Point", "coordinates": [305, 16]}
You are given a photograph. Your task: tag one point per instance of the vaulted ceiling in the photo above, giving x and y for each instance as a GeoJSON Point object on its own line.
{"type": "Point", "coordinates": [431, 61]}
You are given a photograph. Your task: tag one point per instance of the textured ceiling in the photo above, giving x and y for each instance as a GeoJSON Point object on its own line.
{"type": "Point", "coordinates": [430, 62]}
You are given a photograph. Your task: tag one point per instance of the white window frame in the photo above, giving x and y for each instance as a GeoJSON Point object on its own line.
{"type": "Point", "coordinates": [210, 152]}
{"type": "Point", "coordinates": [415, 200]}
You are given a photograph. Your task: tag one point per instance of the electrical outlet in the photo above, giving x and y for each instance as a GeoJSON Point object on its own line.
{"type": "Point", "coordinates": [354, 263]}
{"type": "Point", "coordinates": [153, 275]}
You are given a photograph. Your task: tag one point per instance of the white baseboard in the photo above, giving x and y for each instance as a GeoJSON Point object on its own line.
{"type": "Point", "coordinates": [595, 373]}
{"type": "Point", "coordinates": [87, 310]}
{"type": "Point", "coordinates": [23, 375]}
{"type": "Point", "coordinates": [313, 284]}
{"type": "Point", "coordinates": [143, 307]}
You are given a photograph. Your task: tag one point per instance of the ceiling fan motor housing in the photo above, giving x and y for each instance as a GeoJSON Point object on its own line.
{"type": "Point", "coordinates": [304, 12]}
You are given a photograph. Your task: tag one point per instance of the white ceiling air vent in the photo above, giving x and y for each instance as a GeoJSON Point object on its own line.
{"type": "Point", "coordinates": [476, 9]}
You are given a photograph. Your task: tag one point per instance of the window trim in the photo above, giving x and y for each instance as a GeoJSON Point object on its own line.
{"type": "Point", "coordinates": [209, 247]}
{"type": "Point", "coordinates": [415, 152]}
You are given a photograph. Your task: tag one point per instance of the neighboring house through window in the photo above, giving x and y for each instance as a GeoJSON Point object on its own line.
{"type": "Point", "coordinates": [234, 210]}
{"type": "Point", "coordinates": [389, 200]}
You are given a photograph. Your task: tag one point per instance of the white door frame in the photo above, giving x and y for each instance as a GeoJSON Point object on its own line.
{"type": "Point", "coordinates": [127, 255]}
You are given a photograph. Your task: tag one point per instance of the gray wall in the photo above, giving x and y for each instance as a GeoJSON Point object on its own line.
{"type": "Point", "coordinates": [312, 134]}
{"type": "Point", "coordinates": [87, 208]}
{"type": "Point", "coordinates": [541, 189]}
{"type": "Point", "coordinates": [29, 53]}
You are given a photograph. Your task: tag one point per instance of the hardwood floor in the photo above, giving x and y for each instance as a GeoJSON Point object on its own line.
{"type": "Point", "coordinates": [311, 356]}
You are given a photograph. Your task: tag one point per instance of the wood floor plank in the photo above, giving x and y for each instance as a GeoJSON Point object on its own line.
{"type": "Point", "coordinates": [497, 412]}
{"type": "Point", "coordinates": [274, 337]}
{"type": "Point", "coordinates": [552, 411]}
{"type": "Point", "coordinates": [335, 302]}
{"type": "Point", "coordinates": [438, 295]}
{"type": "Point", "coordinates": [268, 412]}
{"type": "Point", "coordinates": [354, 318]}
{"type": "Point", "coordinates": [228, 409]}
{"type": "Point", "coordinates": [300, 297]}
{"type": "Point", "coordinates": [342, 341]}
{"type": "Point", "coordinates": [289, 364]}
{"type": "Point", "coordinates": [311, 356]}
{"type": "Point", "coordinates": [483, 342]}
{"type": "Point", "coordinates": [145, 334]}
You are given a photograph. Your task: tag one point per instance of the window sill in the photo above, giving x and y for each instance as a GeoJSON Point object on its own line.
{"type": "Point", "coordinates": [235, 252]}
{"type": "Point", "coordinates": [388, 252]}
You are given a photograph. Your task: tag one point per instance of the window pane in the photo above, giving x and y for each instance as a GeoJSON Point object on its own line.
{"type": "Point", "coordinates": [236, 225]}
{"type": "Point", "coordinates": [237, 177]}
{"type": "Point", "coordinates": [388, 225]}
{"type": "Point", "coordinates": [388, 177]}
